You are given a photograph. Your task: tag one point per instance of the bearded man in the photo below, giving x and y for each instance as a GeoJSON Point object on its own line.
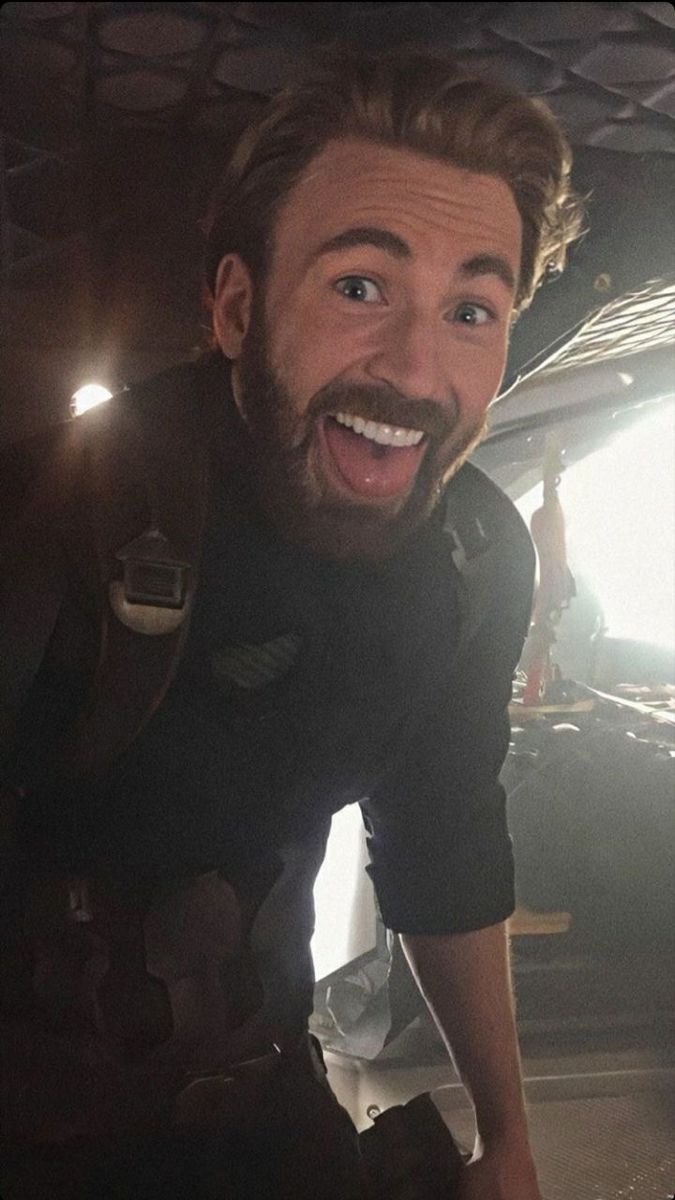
{"type": "Point", "coordinates": [373, 238]}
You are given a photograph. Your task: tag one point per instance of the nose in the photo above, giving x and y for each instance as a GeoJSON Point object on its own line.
{"type": "Point", "coordinates": [408, 357]}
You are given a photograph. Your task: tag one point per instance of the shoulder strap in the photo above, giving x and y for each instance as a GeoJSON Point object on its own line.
{"type": "Point", "coordinates": [33, 568]}
{"type": "Point", "coordinates": [35, 587]}
{"type": "Point", "coordinates": [148, 477]}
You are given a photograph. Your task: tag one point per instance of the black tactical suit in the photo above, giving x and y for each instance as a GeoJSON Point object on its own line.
{"type": "Point", "coordinates": [165, 898]}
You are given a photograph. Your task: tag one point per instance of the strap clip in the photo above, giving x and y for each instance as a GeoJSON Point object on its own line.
{"type": "Point", "coordinates": [152, 595]}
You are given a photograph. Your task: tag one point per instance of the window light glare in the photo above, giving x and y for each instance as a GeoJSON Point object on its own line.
{"type": "Point", "coordinates": [619, 504]}
{"type": "Point", "coordinates": [88, 397]}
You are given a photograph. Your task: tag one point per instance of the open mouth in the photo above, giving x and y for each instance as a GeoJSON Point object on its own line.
{"type": "Point", "coordinates": [372, 460]}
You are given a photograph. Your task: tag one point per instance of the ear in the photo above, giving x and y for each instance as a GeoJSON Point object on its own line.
{"type": "Point", "coordinates": [232, 305]}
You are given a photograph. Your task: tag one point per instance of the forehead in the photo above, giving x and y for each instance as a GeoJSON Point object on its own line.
{"type": "Point", "coordinates": [434, 205]}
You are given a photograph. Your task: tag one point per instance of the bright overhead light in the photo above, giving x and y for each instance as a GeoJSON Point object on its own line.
{"type": "Point", "coordinates": [88, 397]}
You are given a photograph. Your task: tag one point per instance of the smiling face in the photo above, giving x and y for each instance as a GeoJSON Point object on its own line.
{"type": "Point", "coordinates": [366, 370]}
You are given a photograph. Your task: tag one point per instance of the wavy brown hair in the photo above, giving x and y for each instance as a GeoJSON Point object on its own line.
{"type": "Point", "coordinates": [416, 99]}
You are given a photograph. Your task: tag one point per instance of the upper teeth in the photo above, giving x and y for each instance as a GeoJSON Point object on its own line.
{"type": "Point", "coordinates": [386, 435]}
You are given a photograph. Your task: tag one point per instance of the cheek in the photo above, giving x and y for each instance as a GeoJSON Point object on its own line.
{"type": "Point", "coordinates": [310, 349]}
{"type": "Point", "coordinates": [485, 371]}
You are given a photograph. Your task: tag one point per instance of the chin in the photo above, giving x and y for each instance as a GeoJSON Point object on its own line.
{"type": "Point", "coordinates": [348, 531]}
{"type": "Point", "coordinates": [376, 534]}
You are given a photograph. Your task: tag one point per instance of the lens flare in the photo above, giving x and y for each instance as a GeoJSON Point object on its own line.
{"type": "Point", "coordinates": [88, 396]}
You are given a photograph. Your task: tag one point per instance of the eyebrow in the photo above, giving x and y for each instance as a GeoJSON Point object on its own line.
{"type": "Point", "coordinates": [384, 239]}
{"type": "Point", "coordinates": [489, 264]}
{"type": "Point", "coordinates": [366, 235]}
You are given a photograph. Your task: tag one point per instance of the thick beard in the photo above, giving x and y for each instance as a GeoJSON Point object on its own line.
{"type": "Point", "coordinates": [296, 502]}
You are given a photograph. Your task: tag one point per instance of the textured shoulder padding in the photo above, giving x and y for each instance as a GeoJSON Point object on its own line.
{"type": "Point", "coordinates": [491, 548]}
{"type": "Point", "coordinates": [472, 499]}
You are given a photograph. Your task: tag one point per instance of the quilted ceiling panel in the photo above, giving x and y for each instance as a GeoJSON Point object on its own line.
{"type": "Point", "coordinates": [608, 70]}
{"type": "Point", "coordinates": [106, 104]}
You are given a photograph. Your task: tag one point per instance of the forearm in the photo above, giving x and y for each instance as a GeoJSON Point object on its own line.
{"type": "Point", "coordinates": [466, 981]}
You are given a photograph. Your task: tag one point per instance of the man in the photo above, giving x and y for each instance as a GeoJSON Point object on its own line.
{"type": "Point", "coordinates": [372, 240]}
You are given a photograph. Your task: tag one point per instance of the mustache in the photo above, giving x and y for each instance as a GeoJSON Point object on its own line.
{"type": "Point", "coordinates": [384, 405]}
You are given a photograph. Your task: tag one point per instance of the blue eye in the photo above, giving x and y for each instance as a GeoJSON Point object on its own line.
{"type": "Point", "coordinates": [473, 314]}
{"type": "Point", "coordinates": [355, 287]}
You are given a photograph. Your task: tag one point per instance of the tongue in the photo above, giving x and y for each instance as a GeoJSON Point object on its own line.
{"type": "Point", "coordinates": [368, 468]}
